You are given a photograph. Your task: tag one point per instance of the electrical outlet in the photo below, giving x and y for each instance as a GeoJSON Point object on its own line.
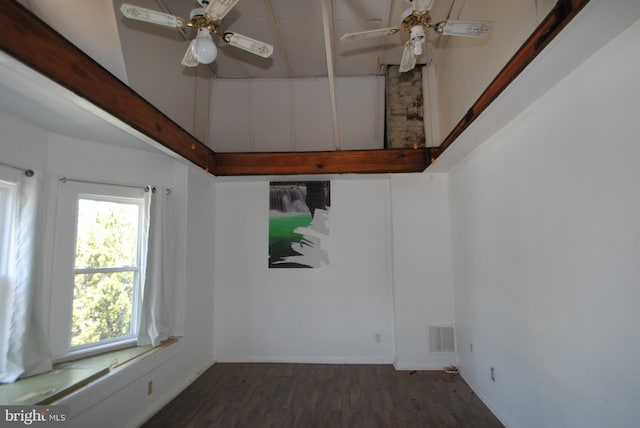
{"type": "Point", "coordinates": [378, 337]}
{"type": "Point", "coordinates": [149, 387]}
{"type": "Point", "coordinates": [471, 347]}
{"type": "Point", "coordinates": [493, 374]}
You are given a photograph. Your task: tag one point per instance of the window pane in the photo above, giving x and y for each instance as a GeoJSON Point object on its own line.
{"type": "Point", "coordinates": [107, 234]}
{"type": "Point", "coordinates": [102, 306]}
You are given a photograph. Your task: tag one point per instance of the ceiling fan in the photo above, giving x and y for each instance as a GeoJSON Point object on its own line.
{"type": "Point", "coordinates": [415, 21]}
{"type": "Point", "coordinates": [205, 20]}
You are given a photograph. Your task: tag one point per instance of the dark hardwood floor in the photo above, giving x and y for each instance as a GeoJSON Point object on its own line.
{"type": "Point", "coordinates": [324, 395]}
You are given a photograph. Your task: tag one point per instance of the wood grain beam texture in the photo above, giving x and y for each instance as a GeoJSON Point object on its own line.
{"type": "Point", "coordinates": [31, 41]}
{"type": "Point", "coordinates": [340, 162]}
{"type": "Point", "coordinates": [562, 13]}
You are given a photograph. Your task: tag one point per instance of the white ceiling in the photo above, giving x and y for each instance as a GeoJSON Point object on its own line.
{"type": "Point", "coordinates": [294, 27]}
{"type": "Point", "coordinates": [296, 30]}
{"type": "Point", "coordinates": [97, 34]}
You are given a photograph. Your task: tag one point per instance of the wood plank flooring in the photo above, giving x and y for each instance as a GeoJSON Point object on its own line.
{"type": "Point", "coordinates": [324, 395]}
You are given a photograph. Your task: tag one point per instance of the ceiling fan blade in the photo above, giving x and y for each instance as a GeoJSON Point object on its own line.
{"type": "Point", "coordinates": [218, 9]}
{"type": "Point", "coordinates": [422, 5]}
{"type": "Point", "coordinates": [464, 28]}
{"type": "Point", "coordinates": [408, 61]}
{"type": "Point", "coordinates": [248, 44]}
{"type": "Point", "coordinates": [189, 59]}
{"type": "Point", "coordinates": [151, 16]}
{"type": "Point", "coordinates": [370, 34]}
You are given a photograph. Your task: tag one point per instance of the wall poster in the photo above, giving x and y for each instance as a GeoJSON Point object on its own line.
{"type": "Point", "coordinates": [298, 223]}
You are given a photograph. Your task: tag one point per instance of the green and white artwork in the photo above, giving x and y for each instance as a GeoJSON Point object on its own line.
{"type": "Point", "coordinates": [299, 224]}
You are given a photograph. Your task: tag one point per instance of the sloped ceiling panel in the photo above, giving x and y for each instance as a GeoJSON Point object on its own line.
{"type": "Point", "coordinates": [300, 27]}
{"type": "Point", "coordinates": [91, 26]}
{"type": "Point", "coordinates": [361, 57]}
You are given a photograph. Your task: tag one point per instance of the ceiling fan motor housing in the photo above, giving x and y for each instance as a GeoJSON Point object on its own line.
{"type": "Point", "coordinates": [199, 11]}
{"type": "Point", "coordinates": [411, 18]}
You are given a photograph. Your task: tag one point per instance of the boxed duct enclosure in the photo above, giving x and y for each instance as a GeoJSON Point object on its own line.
{"type": "Point", "coordinates": [404, 111]}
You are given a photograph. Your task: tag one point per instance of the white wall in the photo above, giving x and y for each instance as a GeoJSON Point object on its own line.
{"type": "Point", "coordinates": [546, 242]}
{"type": "Point", "coordinates": [389, 273]}
{"type": "Point", "coordinates": [272, 115]}
{"type": "Point", "coordinates": [422, 270]}
{"type": "Point", "coordinates": [172, 369]}
{"type": "Point", "coordinates": [329, 314]}
{"type": "Point", "coordinates": [21, 143]}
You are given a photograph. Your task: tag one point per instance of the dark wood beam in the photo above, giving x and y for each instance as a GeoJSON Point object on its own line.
{"type": "Point", "coordinates": [563, 12]}
{"type": "Point", "coordinates": [338, 162]}
{"type": "Point", "coordinates": [30, 40]}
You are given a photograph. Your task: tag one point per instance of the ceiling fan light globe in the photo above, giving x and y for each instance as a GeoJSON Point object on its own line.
{"type": "Point", "coordinates": [203, 47]}
{"type": "Point", "coordinates": [206, 54]}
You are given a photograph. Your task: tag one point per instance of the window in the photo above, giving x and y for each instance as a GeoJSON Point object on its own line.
{"type": "Point", "coordinates": [96, 295]}
{"type": "Point", "coordinates": [106, 271]}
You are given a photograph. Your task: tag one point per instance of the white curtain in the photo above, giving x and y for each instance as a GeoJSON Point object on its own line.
{"type": "Point", "coordinates": [159, 318]}
{"type": "Point", "coordinates": [23, 343]}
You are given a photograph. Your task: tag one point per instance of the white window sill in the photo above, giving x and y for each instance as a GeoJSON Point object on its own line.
{"type": "Point", "coordinates": [68, 377]}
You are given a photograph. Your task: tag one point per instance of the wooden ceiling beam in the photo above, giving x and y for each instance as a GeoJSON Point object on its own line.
{"type": "Point", "coordinates": [561, 14]}
{"type": "Point", "coordinates": [30, 40]}
{"type": "Point", "coordinates": [338, 162]}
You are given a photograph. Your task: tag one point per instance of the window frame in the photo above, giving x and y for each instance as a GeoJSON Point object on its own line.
{"type": "Point", "coordinates": [64, 269]}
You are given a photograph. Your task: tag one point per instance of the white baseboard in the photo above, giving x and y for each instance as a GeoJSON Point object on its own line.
{"type": "Point", "coordinates": [303, 360]}
{"type": "Point", "coordinates": [417, 366]}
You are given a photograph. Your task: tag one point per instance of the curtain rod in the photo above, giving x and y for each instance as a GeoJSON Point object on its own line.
{"type": "Point", "coordinates": [132, 186]}
{"type": "Point", "coordinates": [76, 180]}
{"type": "Point", "coordinates": [27, 172]}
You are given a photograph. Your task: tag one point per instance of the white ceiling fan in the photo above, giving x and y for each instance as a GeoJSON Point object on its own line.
{"type": "Point", "coordinates": [205, 20]}
{"type": "Point", "coordinates": [415, 21]}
